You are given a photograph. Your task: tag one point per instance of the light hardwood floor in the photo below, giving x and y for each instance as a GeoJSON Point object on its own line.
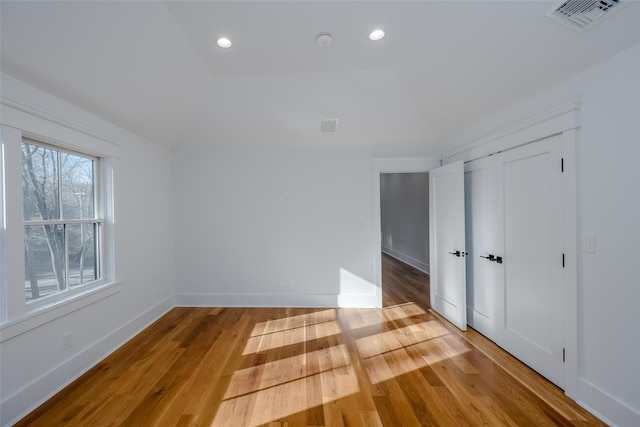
{"type": "Point", "coordinates": [284, 367]}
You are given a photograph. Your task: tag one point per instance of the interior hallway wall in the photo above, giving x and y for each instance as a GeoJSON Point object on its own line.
{"type": "Point", "coordinates": [404, 211]}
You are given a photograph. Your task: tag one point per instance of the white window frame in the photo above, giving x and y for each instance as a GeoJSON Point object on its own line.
{"type": "Point", "coordinates": [3, 228]}
{"type": "Point", "coordinates": [17, 316]}
{"type": "Point", "coordinates": [98, 201]}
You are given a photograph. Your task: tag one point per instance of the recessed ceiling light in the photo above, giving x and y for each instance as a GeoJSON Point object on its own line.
{"type": "Point", "coordinates": [376, 35]}
{"type": "Point", "coordinates": [224, 42]}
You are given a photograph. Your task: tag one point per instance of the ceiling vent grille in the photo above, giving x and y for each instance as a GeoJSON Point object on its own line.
{"type": "Point", "coordinates": [581, 15]}
{"type": "Point", "coordinates": [328, 125]}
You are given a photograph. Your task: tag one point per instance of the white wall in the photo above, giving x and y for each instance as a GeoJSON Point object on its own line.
{"type": "Point", "coordinates": [404, 207]}
{"type": "Point", "coordinates": [33, 363]}
{"type": "Point", "coordinates": [271, 227]}
{"type": "Point", "coordinates": [608, 153]}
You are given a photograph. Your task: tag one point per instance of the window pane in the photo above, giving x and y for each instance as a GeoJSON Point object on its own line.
{"type": "Point", "coordinates": [83, 267]}
{"type": "Point", "coordinates": [59, 186]}
{"type": "Point", "coordinates": [40, 184]}
{"type": "Point", "coordinates": [77, 187]}
{"type": "Point", "coordinates": [44, 260]}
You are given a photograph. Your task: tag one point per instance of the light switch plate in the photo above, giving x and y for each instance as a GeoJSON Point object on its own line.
{"type": "Point", "coordinates": [589, 244]}
{"type": "Point", "coordinates": [66, 341]}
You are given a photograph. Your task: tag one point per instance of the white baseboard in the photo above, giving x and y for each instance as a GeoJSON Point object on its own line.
{"type": "Point", "coordinates": [275, 300]}
{"type": "Point", "coordinates": [606, 407]}
{"type": "Point", "coordinates": [415, 263]}
{"type": "Point", "coordinates": [21, 403]}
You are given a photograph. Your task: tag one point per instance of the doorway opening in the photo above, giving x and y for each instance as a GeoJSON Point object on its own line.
{"type": "Point", "coordinates": [404, 219]}
{"type": "Point", "coordinates": [395, 264]}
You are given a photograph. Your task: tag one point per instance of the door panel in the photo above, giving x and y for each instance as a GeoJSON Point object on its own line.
{"type": "Point", "coordinates": [514, 210]}
{"type": "Point", "coordinates": [484, 238]}
{"type": "Point", "coordinates": [533, 269]}
{"type": "Point", "coordinates": [447, 236]}
{"type": "Point", "coordinates": [529, 270]}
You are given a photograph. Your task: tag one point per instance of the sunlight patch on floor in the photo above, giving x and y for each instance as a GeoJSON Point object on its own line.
{"type": "Point", "coordinates": [292, 322]}
{"type": "Point", "coordinates": [363, 318]}
{"type": "Point", "coordinates": [289, 369]}
{"type": "Point", "coordinates": [279, 397]}
{"type": "Point", "coordinates": [403, 311]}
{"type": "Point", "coordinates": [282, 338]}
{"type": "Point", "coordinates": [399, 338]}
{"type": "Point", "coordinates": [391, 364]}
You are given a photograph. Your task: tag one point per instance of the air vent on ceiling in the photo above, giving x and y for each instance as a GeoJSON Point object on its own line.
{"type": "Point", "coordinates": [328, 125]}
{"type": "Point", "coordinates": [581, 15]}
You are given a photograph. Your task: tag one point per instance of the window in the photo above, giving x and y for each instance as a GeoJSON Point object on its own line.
{"type": "Point", "coordinates": [62, 223]}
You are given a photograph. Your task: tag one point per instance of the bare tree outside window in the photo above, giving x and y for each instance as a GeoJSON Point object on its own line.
{"type": "Point", "coordinates": [62, 230]}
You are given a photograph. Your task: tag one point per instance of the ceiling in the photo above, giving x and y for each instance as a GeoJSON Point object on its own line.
{"type": "Point", "coordinates": [154, 68]}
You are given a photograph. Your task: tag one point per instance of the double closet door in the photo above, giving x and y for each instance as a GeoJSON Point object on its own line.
{"type": "Point", "coordinates": [513, 242]}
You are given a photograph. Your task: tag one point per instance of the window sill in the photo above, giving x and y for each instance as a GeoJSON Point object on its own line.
{"type": "Point", "coordinates": [42, 314]}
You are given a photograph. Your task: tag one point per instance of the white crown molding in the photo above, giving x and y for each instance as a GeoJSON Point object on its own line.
{"type": "Point", "coordinates": [38, 112]}
{"type": "Point", "coordinates": [543, 120]}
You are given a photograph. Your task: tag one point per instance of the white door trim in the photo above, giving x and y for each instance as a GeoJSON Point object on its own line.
{"type": "Point", "coordinates": [561, 121]}
{"type": "Point", "coordinates": [390, 165]}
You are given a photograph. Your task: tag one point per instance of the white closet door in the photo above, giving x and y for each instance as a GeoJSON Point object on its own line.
{"type": "Point", "coordinates": [485, 242]}
{"type": "Point", "coordinates": [533, 256]}
{"type": "Point", "coordinates": [447, 241]}
{"type": "Point", "coordinates": [514, 211]}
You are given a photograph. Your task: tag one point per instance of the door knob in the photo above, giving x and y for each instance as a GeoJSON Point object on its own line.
{"type": "Point", "coordinates": [491, 257]}
{"type": "Point", "coordinates": [456, 253]}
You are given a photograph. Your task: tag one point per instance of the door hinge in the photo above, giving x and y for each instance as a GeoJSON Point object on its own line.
{"type": "Point", "coordinates": [562, 164]}
{"type": "Point", "coordinates": [563, 355]}
{"type": "Point", "coordinates": [562, 260]}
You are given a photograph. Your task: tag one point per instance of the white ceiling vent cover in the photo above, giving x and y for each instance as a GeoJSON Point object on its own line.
{"type": "Point", "coordinates": [581, 15]}
{"type": "Point", "coordinates": [328, 125]}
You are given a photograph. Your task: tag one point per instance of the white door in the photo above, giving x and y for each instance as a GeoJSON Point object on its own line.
{"type": "Point", "coordinates": [514, 212]}
{"type": "Point", "coordinates": [533, 256]}
{"type": "Point", "coordinates": [447, 242]}
{"type": "Point", "coordinates": [485, 243]}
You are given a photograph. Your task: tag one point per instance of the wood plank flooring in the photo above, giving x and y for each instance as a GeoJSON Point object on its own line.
{"type": "Point", "coordinates": [283, 367]}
